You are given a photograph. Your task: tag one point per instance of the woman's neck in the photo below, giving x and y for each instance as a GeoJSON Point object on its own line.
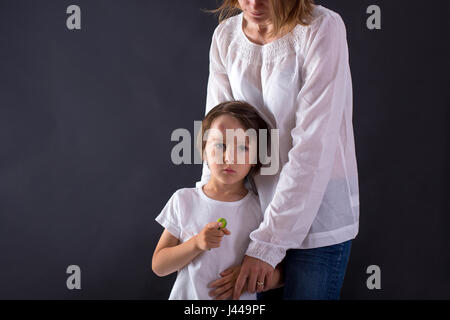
{"type": "Point", "coordinates": [262, 33]}
{"type": "Point", "coordinates": [258, 32]}
{"type": "Point", "coordinates": [262, 29]}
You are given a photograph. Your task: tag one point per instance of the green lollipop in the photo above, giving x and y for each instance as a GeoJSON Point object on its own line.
{"type": "Point", "coordinates": [224, 222]}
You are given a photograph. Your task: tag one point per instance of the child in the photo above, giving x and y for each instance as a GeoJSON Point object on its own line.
{"type": "Point", "coordinates": [193, 242]}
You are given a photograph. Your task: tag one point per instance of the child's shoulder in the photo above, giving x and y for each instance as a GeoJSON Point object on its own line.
{"type": "Point", "coordinates": [254, 198]}
{"type": "Point", "coordinates": [194, 196]}
{"type": "Point", "coordinates": [186, 191]}
{"type": "Point", "coordinates": [186, 194]}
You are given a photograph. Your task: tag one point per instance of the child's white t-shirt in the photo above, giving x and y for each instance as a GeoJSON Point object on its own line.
{"type": "Point", "coordinates": [186, 213]}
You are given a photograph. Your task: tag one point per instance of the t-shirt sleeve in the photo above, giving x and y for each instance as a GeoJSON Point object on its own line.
{"type": "Point", "coordinates": [169, 217]}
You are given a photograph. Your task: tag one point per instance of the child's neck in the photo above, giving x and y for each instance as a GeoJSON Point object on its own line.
{"type": "Point", "coordinates": [225, 192]}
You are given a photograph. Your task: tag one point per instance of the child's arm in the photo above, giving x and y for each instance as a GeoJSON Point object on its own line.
{"type": "Point", "coordinates": [170, 255]}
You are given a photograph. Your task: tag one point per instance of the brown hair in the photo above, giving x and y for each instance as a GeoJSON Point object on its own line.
{"type": "Point", "coordinates": [286, 14]}
{"type": "Point", "coordinates": [249, 118]}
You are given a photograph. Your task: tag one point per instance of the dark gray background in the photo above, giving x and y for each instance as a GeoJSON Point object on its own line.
{"type": "Point", "coordinates": [85, 124]}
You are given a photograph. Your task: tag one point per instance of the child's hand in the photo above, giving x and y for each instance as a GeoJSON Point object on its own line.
{"type": "Point", "coordinates": [210, 236]}
{"type": "Point", "coordinates": [223, 287]}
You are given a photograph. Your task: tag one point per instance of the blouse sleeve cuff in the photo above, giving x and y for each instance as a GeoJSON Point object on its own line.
{"type": "Point", "coordinates": [266, 252]}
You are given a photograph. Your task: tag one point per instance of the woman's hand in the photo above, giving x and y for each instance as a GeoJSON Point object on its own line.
{"type": "Point", "coordinates": [223, 287]}
{"type": "Point", "coordinates": [253, 271]}
{"type": "Point", "coordinates": [210, 236]}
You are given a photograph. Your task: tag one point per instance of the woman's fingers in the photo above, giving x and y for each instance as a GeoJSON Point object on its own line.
{"type": "Point", "coordinates": [267, 280]}
{"type": "Point", "coordinates": [225, 295]}
{"type": "Point", "coordinates": [220, 282]}
{"type": "Point", "coordinates": [260, 283]}
{"type": "Point", "coordinates": [252, 282]}
{"type": "Point", "coordinates": [240, 282]}
{"type": "Point", "coordinates": [220, 290]}
{"type": "Point", "coordinates": [227, 271]}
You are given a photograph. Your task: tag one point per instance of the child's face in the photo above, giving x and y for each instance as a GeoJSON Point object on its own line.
{"type": "Point", "coordinates": [229, 158]}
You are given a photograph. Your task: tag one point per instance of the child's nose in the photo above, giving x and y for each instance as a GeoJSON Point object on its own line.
{"type": "Point", "coordinates": [228, 156]}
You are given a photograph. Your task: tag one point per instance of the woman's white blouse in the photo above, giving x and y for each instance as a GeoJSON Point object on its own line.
{"type": "Point", "coordinates": [301, 84]}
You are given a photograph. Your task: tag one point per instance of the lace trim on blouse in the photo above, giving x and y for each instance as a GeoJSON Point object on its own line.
{"type": "Point", "coordinates": [273, 50]}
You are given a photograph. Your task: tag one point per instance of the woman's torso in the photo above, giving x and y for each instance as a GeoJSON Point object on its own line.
{"type": "Point", "coordinates": [270, 78]}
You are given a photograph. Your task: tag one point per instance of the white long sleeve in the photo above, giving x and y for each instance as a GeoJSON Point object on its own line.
{"type": "Point", "coordinates": [304, 178]}
{"type": "Point", "coordinates": [302, 85]}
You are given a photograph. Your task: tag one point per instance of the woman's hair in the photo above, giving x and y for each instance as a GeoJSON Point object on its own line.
{"type": "Point", "coordinates": [286, 14]}
{"type": "Point", "coordinates": [248, 117]}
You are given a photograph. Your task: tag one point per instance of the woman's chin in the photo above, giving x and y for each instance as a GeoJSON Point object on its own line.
{"type": "Point", "coordinates": [256, 18]}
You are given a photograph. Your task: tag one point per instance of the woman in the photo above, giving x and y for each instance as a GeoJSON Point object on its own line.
{"type": "Point", "coordinates": [290, 60]}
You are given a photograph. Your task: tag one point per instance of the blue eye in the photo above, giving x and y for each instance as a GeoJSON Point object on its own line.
{"type": "Point", "coordinates": [219, 145]}
{"type": "Point", "coordinates": [243, 148]}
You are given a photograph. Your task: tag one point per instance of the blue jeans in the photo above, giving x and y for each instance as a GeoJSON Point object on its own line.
{"type": "Point", "coordinates": [312, 274]}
